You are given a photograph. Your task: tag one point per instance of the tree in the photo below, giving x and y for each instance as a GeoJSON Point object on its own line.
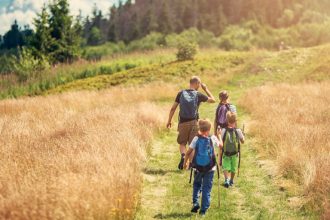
{"type": "Point", "coordinates": [66, 46]}
{"type": "Point", "coordinates": [95, 37]}
{"type": "Point", "coordinates": [164, 22]}
{"type": "Point", "coordinates": [42, 39]}
{"type": "Point", "coordinates": [13, 38]}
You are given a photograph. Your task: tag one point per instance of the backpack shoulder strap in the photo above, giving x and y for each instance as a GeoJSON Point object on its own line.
{"type": "Point", "coordinates": [238, 140]}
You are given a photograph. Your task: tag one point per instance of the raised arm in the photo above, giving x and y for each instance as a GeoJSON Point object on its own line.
{"type": "Point", "coordinates": [211, 98]}
{"type": "Point", "coordinates": [172, 111]}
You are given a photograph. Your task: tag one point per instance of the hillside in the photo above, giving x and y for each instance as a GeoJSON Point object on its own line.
{"type": "Point", "coordinates": [137, 97]}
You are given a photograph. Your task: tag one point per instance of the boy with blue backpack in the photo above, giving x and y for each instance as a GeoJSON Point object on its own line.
{"type": "Point", "coordinates": [204, 162]}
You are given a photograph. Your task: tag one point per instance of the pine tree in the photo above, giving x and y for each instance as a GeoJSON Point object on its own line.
{"type": "Point", "coordinates": [42, 39]}
{"type": "Point", "coordinates": [66, 46]}
{"type": "Point", "coordinates": [13, 38]}
{"type": "Point", "coordinates": [164, 20]}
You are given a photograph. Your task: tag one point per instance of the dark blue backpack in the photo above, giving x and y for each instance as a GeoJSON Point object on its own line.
{"type": "Point", "coordinates": [204, 158]}
{"type": "Point", "coordinates": [188, 104]}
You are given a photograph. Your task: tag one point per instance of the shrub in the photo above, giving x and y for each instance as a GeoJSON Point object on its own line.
{"type": "Point", "coordinates": [186, 51]}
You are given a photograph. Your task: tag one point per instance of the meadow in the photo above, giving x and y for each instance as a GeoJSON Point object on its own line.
{"type": "Point", "coordinates": [77, 155]}
{"type": "Point", "coordinates": [83, 154]}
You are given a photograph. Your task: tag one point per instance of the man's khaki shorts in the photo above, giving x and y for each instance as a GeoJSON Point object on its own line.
{"type": "Point", "coordinates": [187, 132]}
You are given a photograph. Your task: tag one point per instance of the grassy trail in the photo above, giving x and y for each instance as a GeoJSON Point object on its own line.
{"type": "Point", "coordinates": [167, 194]}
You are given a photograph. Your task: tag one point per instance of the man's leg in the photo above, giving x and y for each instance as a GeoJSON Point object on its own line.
{"type": "Point", "coordinates": [193, 133]}
{"type": "Point", "coordinates": [182, 140]}
{"type": "Point", "coordinates": [183, 154]}
{"type": "Point", "coordinates": [206, 191]}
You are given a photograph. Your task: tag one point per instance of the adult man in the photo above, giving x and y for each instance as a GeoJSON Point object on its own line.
{"type": "Point", "coordinates": [189, 101]}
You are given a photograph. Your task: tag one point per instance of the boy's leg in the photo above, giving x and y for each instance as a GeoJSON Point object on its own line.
{"type": "Point", "coordinates": [196, 187]}
{"type": "Point", "coordinates": [206, 191]}
{"type": "Point", "coordinates": [234, 164]}
{"type": "Point", "coordinates": [226, 164]}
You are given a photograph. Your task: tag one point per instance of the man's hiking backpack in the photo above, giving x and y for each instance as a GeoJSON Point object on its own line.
{"type": "Point", "coordinates": [204, 159]}
{"type": "Point", "coordinates": [188, 104]}
{"type": "Point", "coordinates": [221, 115]}
{"type": "Point", "coordinates": [231, 142]}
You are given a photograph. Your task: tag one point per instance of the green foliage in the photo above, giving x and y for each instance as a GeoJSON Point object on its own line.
{"type": "Point", "coordinates": [95, 37]}
{"type": "Point", "coordinates": [236, 38]}
{"type": "Point", "coordinates": [186, 51]}
{"type": "Point", "coordinates": [26, 64]}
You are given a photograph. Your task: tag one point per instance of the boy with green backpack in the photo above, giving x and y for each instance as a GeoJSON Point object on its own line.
{"type": "Point", "coordinates": [204, 164]}
{"type": "Point", "coordinates": [232, 138]}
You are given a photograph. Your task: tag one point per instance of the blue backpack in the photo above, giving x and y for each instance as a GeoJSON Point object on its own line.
{"type": "Point", "coordinates": [204, 159]}
{"type": "Point", "coordinates": [188, 104]}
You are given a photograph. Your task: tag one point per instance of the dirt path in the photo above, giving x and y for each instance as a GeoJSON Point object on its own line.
{"type": "Point", "coordinates": [167, 193]}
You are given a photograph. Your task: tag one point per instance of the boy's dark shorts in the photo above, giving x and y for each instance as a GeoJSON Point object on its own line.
{"type": "Point", "coordinates": [187, 132]}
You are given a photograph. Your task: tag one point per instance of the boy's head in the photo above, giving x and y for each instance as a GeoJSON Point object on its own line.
{"type": "Point", "coordinates": [204, 126]}
{"type": "Point", "coordinates": [195, 82]}
{"type": "Point", "coordinates": [231, 117]}
{"type": "Point", "coordinates": [223, 96]}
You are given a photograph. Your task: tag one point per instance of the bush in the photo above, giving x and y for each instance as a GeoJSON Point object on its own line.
{"type": "Point", "coordinates": [26, 64]}
{"type": "Point", "coordinates": [187, 51]}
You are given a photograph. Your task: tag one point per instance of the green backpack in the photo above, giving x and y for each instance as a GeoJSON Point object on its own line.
{"type": "Point", "coordinates": [231, 142]}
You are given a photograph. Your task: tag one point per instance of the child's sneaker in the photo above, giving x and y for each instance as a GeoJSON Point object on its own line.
{"type": "Point", "coordinates": [227, 183]}
{"type": "Point", "coordinates": [231, 182]}
{"type": "Point", "coordinates": [195, 208]}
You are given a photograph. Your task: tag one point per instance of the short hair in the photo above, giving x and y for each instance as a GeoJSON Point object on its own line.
{"type": "Point", "coordinates": [195, 79]}
{"type": "Point", "coordinates": [231, 117]}
{"type": "Point", "coordinates": [204, 125]}
{"type": "Point", "coordinates": [223, 95]}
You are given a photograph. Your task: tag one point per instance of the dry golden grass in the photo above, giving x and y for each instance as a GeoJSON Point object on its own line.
{"type": "Point", "coordinates": [77, 155]}
{"type": "Point", "coordinates": [293, 122]}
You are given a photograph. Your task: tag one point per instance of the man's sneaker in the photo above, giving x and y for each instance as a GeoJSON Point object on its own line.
{"type": "Point", "coordinates": [227, 183]}
{"type": "Point", "coordinates": [195, 208]}
{"type": "Point", "coordinates": [231, 183]}
{"type": "Point", "coordinates": [180, 166]}
{"type": "Point", "coordinates": [202, 213]}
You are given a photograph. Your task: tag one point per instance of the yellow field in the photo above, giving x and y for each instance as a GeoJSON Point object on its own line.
{"type": "Point", "coordinates": [293, 123]}
{"type": "Point", "coordinates": [78, 155]}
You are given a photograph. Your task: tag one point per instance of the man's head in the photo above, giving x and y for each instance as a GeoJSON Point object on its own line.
{"type": "Point", "coordinates": [204, 126]}
{"type": "Point", "coordinates": [223, 96]}
{"type": "Point", "coordinates": [195, 82]}
{"type": "Point", "coordinates": [231, 118]}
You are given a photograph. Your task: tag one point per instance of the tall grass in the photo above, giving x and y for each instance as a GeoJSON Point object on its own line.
{"type": "Point", "coordinates": [293, 122]}
{"type": "Point", "coordinates": [77, 155]}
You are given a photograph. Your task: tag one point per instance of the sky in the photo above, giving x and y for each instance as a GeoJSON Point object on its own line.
{"type": "Point", "coordinates": [25, 10]}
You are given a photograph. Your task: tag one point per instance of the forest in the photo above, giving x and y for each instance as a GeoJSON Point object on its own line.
{"type": "Point", "coordinates": [58, 37]}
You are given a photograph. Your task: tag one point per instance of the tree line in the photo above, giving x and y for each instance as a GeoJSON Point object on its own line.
{"type": "Point", "coordinates": [58, 37]}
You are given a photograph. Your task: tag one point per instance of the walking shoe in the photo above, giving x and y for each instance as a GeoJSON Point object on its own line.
{"type": "Point", "coordinates": [180, 166]}
{"type": "Point", "coordinates": [227, 183]}
{"type": "Point", "coordinates": [195, 208]}
{"type": "Point", "coordinates": [202, 213]}
{"type": "Point", "coordinates": [231, 182]}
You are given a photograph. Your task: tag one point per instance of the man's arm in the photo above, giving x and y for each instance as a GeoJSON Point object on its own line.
{"type": "Point", "coordinates": [172, 111]}
{"type": "Point", "coordinates": [211, 98]}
